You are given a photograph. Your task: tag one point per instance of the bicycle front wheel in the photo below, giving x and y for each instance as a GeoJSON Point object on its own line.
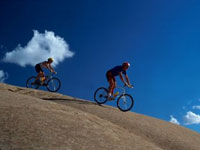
{"type": "Point", "coordinates": [101, 95]}
{"type": "Point", "coordinates": [125, 102]}
{"type": "Point", "coordinates": [53, 85]}
{"type": "Point", "coordinates": [30, 83]}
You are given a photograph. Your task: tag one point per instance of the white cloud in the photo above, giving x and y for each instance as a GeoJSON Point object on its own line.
{"type": "Point", "coordinates": [196, 107]}
{"type": "Point", "coordinates": [3, 76]}
{"type": "Point", "coordinates": [191, 118]}
{"type": "Point", "coordinates": [39, 48]}
{"type": "Point", "coordinates": [174, 120]}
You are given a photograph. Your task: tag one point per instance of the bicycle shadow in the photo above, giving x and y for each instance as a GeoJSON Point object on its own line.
{"type": "Point", "coordinates": [75, 101]}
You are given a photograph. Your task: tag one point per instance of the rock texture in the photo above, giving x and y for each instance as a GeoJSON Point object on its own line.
{"type": "Point", "coordinates": [38, 120]}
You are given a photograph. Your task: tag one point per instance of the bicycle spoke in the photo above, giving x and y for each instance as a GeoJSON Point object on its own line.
{"type": "Point", "coordinates": [53, 84]}
{"type": "Point", "coordinates": [125, 102]}
{"type": "Point", "coordinates": [100, 95]}
{"type": "Point", "coordinates": [30, 83]}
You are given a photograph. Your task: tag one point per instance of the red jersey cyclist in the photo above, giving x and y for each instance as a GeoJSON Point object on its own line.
{"type": "Point", "coordinates": [39, 69]}
{"type": "Point", "coordinates": [112, 73]}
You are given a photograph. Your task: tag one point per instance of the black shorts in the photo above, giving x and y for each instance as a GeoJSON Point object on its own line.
{"type": "Point", "coordinates": [109, 76]}
{"type": "Point", "coordinates": [38, 68]}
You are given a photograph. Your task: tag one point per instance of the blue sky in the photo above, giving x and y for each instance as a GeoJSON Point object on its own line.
{"type": "Point", "coordinates": [159, 38]}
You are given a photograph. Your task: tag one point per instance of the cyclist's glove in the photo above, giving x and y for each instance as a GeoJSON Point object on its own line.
{"type": "Point", "coordinates": [126, 84]}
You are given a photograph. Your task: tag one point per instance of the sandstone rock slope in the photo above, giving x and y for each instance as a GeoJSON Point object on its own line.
{"type": "Point", "coordinates": [38, 120]}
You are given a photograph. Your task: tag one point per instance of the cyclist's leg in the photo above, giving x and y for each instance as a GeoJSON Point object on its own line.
{"type": "Point", "coordinates": [114, 85]}
{"type": "Point", "coordinates": [111, 89]}
{"type": "Point", "coordinates": [40, 72]}
{"type": "Point", "coordinates": [111, 81]}
{"type": "Point", "coordinates": [42, 77]}
{"type": "Point", "coordinates": [111, 86]}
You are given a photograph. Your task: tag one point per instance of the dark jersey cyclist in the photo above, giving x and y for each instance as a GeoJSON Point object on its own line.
{"type": "Point", "coordinates": [39, 68]}
{"type": "Point", "coordinates": [112, 73]}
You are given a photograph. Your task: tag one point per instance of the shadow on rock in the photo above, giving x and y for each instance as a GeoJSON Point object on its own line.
{"type": "Point", "coordinates": [65, 100]}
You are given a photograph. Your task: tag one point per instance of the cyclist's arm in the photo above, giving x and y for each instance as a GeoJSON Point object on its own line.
{"type": "Point", "coordinates": [48, 66]}
{"type": "Point", "coordinates": [127, 79]}
{"type": "Point", "coordinates": [51, 68]}
{"type": "Point", "coordinates": [121, 77]}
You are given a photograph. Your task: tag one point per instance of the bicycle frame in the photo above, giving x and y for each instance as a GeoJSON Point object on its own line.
{"type": "Point", "coordinates": [123, 88]}
{"type": "Point", "coordinates": [48, 77]}
{"type": "Point", "coordinates": [124, 101]}
{"type": "Point", "coordinates": [52, 83]}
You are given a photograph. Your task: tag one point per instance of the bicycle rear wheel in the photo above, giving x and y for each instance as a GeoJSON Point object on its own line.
{"type": "Point", "coordinates": [101, 95]}
{"type": "Point", "coordinates": [53, 85]}
{"type": "Point", "coordinates": [125, 102]}
{"type": "Point", "coordinates": [30, 83]}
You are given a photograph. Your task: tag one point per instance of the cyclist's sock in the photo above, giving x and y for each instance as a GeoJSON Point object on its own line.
{"type": "Point", "coordinates": [109, 94]}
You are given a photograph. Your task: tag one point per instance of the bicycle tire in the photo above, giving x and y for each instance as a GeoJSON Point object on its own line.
{"type": "Point", "coordinates": [119, 100]}
{"type": "Point", "coordinates": [30, 83]}
{"type": "Point", "coordinates": [55, 88]}
{"type": "Point", "coordinates": [101, 93]}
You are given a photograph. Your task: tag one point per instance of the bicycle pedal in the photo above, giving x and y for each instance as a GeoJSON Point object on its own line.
{"type": "Point", "coordinates": [44, 84]}
{"type": "Point", "coordinates": [111, 98]}
{"type": "Point", "coordinates": [116, 94]}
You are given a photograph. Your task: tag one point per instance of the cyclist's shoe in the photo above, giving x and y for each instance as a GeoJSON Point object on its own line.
{"type": "Point", "coordinates": [37, 82]}
{"type": "Point", "coordinates": [44, 84]}
{"type": "Point", "coordinates": [111, 98]}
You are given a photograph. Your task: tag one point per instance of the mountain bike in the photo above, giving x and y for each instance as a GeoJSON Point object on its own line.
{"type": "Point", "coordinates": [52, 84]}
{"type": "Point", "coordinates": [124, 101]}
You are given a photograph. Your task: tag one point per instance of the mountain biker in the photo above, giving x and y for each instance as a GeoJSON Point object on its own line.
{"type": "Point", "coordinates": [112, 73]}
{"type": "Point", "coordinates": [39, 69]}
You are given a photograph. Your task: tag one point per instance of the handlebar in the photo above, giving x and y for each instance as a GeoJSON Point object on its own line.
{"type": "Point", "coordinates": [50, 74]}
{"type": "Point", "coordinates": [122, 87]}
{"type": "Point", "coordinates": [53, 73]}
{"type": "Point", "coordinates": [130, 86]}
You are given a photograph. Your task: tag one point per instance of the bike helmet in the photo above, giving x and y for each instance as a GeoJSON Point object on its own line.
{"type": "Point", "coordinates": [126, 64]}
{"type": "Point", "coordinates": [50, 59]}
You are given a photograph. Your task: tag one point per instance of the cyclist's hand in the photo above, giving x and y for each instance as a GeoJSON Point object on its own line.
{"type": "Point", "coordinates": [130, 86]}
{"type": "Point", "coordinates": [52, 71]}
{"type": "Point", "coordinates": [126, 84]}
